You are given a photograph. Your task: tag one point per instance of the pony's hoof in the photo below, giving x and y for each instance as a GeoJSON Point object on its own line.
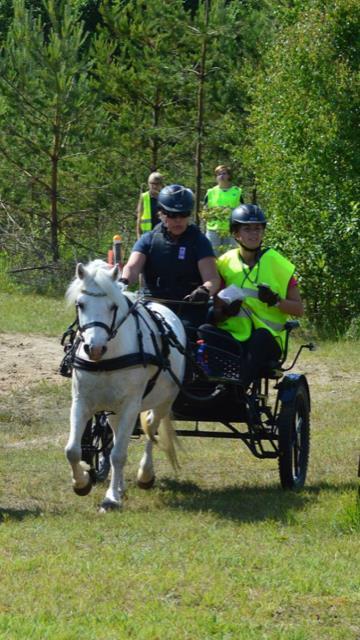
{"type": "Point", "coordinates": [109, 505]}
{"type": "Point", "coordinates": [83, 491]}
{"type": "Point", "coordinates": [148, 484]}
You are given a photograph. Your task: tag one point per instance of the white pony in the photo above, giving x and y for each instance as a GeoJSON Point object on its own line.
{"type": "Point", "coordinates": [110, 329]}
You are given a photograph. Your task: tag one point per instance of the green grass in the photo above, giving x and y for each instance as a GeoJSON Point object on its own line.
{"type": "Point", "coordinates": [25, 313]}
{"type": "Point", "coordinates": [218, 552]}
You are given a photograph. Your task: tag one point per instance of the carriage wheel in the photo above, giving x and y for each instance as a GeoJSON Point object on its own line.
{"type": "Point", "coordinates": [96, 445]}
{"type": "Point", "coordinates": [294, 439]}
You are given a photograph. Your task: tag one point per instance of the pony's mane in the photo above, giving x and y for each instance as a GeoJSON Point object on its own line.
{"type": "Point", "coordinates": [97, 278]}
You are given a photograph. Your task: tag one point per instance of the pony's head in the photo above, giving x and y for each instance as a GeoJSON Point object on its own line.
{"type": "Point", "coordinates": [98, 297]}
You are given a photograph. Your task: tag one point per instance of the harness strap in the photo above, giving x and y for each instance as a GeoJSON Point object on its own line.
{"type": "Point", "coordinates": [159, 359]}
{"type": "Point", "coordinates": [171, 339]}
{"type": "Point", "coordinates": [129, 360]}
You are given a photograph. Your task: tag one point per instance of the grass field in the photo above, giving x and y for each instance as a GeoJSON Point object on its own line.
{"type": "Point", "coordinates": [218, 552]}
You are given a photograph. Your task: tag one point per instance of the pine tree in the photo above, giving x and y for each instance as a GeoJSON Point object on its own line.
{"type": "Point", "coordinates": [50, 118]}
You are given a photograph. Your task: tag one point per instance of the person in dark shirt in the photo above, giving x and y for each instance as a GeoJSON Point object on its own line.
{"type": "Point", "coordinates": [176, 259]}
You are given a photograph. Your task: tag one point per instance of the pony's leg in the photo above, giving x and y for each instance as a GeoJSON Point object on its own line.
{"type": "Point", "coordinates": [122, 434]}
{"type": "Point", "coordinates": [146, 474]}
{"type": "Point", "coordinates": [168, 441]}
{"type": "Point", "coordinates": [79, 416]}
{"type": "Point", "coordinates": [152, 421]}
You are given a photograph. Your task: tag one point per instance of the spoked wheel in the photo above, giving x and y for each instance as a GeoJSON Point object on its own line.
{"type": "Point", "coordinates": [294, 439]}
{"type": "Point", "coordinates": [96, 445]}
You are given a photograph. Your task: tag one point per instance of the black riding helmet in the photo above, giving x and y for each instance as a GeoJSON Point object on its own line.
{"type": "Point", "coordinates": [246, 214]}
{"type": "Point", "coordinates": [176, 199]}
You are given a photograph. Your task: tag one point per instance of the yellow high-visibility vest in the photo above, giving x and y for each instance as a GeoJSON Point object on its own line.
{"type": "Point", "coordinates": [272, 269]}
{"type": "Point", "coordinates": [145, 220]}
{"type": "Point", "coordinates": [220, 203]}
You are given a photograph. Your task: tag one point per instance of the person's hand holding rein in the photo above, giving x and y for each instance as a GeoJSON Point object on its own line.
{"type": "Point", "coordinates": [200, 294]}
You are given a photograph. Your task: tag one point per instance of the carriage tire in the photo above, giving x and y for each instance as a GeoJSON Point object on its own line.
{"type": "Point", "coordinates": [96, 445]}
{"type": "Point", "coordinates": [103, 468]}
{"type": "Point", "coordinates": [294, 439]}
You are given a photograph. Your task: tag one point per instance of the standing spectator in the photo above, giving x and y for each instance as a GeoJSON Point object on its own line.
{"type": "Point", "coordinates": [147, 209]}
{"type": "Point", "coordinates": [219, 202]}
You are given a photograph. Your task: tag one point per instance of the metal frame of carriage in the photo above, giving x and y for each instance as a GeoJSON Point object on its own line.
{"type": "Point", "coordinates": [270, 427]}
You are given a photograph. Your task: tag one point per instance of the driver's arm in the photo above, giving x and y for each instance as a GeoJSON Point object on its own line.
{"type": "Point", "coordinates": [134, 267]}
{"type": "Point", "coordinates": [209, 274]}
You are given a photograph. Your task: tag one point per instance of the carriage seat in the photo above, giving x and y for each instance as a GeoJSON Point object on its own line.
{"type": "Point", "coordinates": [224, 364]}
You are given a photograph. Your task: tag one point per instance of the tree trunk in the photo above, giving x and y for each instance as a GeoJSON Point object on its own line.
{"type": "Point", "coordinates": [155, 138]}
{"type": "Point", "coordinates": [200, 117]}
{"type": "Point", "coordinates": [54, 240]}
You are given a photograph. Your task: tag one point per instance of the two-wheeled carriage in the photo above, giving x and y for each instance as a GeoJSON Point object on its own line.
{"type": "Point", "coordinates": [272, 417]}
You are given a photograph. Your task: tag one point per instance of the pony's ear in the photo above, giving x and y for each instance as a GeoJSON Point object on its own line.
{"type": "Point", "coordinates": [80, 271]}
{"type": "Point", "coordinates": [115, 273]}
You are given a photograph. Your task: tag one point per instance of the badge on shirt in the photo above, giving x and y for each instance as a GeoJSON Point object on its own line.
{"type": "Point", "coordinates": [182, 252]}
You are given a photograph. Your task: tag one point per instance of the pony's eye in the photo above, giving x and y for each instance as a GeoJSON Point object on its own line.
{"type": "Point", "coordinates": [80, 305]}
{"type": "Point", "coordinates": [113, 307]}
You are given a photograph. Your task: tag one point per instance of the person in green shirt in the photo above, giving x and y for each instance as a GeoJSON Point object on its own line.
{"type": "Point", "coordinates": [258, 294]}
{"type": "Point", "coordinates": [218, 203]}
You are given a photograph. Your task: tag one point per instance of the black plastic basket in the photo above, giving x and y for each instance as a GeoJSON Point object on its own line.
{"type": "Point", "coordinates": [220, 364]}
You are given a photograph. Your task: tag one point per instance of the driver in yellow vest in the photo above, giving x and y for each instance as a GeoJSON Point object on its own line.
{"type": "Point", "coordinates": [218, 203]}
{"type": "Point", "coordinates": [147, 210]}
{"type": "Point", "coordinates": [258, 295]}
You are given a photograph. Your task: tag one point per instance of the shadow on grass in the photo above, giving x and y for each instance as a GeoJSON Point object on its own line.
{"type": "Point", "coordinates": [8, 513]}
{"type": "Point", "coordinates": [244, 503]}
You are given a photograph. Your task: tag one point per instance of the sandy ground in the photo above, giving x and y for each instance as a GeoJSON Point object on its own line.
{"type": "Point", "coordinates": [28, 359]}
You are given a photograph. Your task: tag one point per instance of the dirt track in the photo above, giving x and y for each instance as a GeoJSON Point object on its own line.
{"type": "Point", "coordinates": [28, 359]}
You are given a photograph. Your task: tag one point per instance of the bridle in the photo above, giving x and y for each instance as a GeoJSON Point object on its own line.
{"type": "Point", "coordinates": [110, 330]}
{"type": "Point", "coordinates": [160, 358]}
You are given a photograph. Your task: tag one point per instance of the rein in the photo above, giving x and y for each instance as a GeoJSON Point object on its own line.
{"type": "Point", "coordinates": [159, 359]}
{"type": "Point", "coordinates": [74, 336]}
{"type": "Point", "coordinates": [168, 333]}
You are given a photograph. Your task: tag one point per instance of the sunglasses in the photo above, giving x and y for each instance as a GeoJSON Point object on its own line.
{"type": "Point", "coordinates": [177, 214]}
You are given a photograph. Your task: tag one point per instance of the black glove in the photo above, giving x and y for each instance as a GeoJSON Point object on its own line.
{"type": "Point", "coordinates": [267, 296]}
{"type": "Point", "coordinates": [231, 309]}
{"type": "Point", "coordinates": [200, 294]}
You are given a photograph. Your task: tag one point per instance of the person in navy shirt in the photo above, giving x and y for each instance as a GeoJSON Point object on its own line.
{"type": "Point", "coordinates": [176, 259]}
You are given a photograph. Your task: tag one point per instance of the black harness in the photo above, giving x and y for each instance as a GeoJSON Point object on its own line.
{"type": "Point", "coordinates": [73, 336]}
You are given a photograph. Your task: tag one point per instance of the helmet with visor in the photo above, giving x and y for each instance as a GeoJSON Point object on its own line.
{"type": "Point", "coordinates": [176, 200]}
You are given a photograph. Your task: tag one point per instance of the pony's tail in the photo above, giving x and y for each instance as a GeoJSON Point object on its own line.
{"type": "Point", "coordinates": [167, 438]}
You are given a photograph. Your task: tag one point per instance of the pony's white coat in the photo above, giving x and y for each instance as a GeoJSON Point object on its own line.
{"type": "Point", "coordinates": [120, 391]}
